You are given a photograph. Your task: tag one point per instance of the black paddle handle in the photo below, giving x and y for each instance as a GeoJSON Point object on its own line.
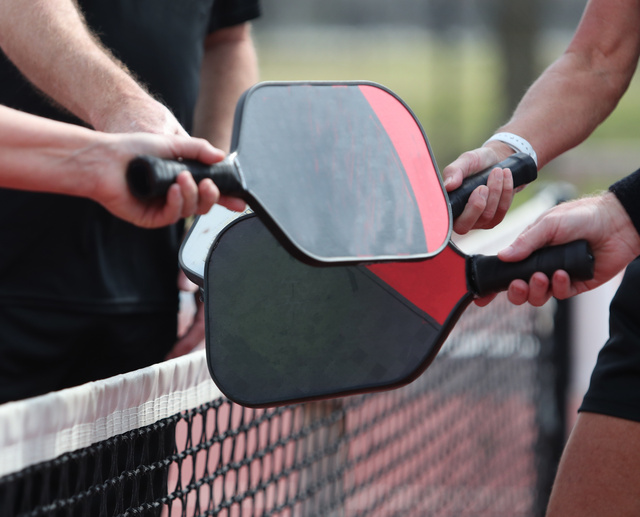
{"type": "Point", "coordinates": [523, 169]}
{"type": "Point", "coordinates": [488, 274]}
{"type": "Point", "coordinates": [149, 177]}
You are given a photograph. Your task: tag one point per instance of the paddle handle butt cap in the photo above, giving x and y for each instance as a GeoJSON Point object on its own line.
{"type": "Point", "coordinates": [488, 274]}
{"type": "Point", "coordinates": [149, 177]}
{"type": "Point", "coordinates": [523, 170]}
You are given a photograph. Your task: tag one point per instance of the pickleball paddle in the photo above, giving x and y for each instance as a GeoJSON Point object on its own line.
{"type": "Point", "coordinates": [280, 331]}
{"type": "Point", "coordinates": [195, 247]}
{"type": "Point", "coordinates": [340, 172]}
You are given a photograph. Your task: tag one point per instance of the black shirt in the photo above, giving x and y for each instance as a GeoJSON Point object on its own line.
{"type": "Point", "coordinates": [70, 252]}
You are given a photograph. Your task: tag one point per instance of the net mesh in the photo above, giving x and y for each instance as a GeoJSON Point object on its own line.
{"type": "Point", "coordinates": [477, 434]}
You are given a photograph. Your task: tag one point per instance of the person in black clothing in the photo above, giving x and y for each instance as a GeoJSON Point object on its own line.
{"type": "Point", "coordinates": [598, 473]}
{"type": "Point", "coordinates": [83, 294]}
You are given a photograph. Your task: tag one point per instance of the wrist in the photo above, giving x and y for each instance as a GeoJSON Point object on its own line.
{"type": "Point", "coordinates": [517, 143]}
{"type": "Point", "coordinates": [621, 226]}
{"type": "Point", "coordinates": [92, 163]}
{"type": "Point", "coordinates": [119, 106]}
{"type": "Point", "coordinates": [500, 149]}
{"type": "Point", "coordinates": [627, 192]}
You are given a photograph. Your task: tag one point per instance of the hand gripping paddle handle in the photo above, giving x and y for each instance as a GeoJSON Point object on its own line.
{"type": "Point", "coordinates": [488, 274]}
{"type": "Point", "coordinates": [522, 167]}
{"type": "Point", "coordinates": [150, 177]}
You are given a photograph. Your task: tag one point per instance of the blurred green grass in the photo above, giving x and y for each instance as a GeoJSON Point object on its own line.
{"type": "Point", "coordinates": [452, 85]}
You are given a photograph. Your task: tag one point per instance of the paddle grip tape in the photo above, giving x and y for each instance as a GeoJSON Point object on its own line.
{"type": "Point", "coordinates": [150, 177]}
{"type": "Point", "coordinates": [488, 274]}
{"type": "Point", "coordinates": [627, 190]}
{"type": "Point", "coordinates": [523, 170]}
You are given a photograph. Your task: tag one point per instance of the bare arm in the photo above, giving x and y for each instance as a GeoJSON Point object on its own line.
{"type": "Point", "coordinates": [229, 67]}
{"type": "Point", "coordinates": [70, 65]}
{"type": "Point", "coordinates": [38, 154]}
{"type": "Point", "coordinates": [581, 89]}
{"type": "Point", "coordinates": [597, 472]}
{"type": "Point", "coordinates": [564, 106]}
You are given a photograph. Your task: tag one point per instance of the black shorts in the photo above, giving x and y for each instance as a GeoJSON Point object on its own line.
{"type": "Point", "coordinates": [614, 389]}
{"type": "Point", "coordinates": [44, 350]}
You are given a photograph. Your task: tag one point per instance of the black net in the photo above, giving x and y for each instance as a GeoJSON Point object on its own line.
{"type": "Point", "coordinates": [477, 434]}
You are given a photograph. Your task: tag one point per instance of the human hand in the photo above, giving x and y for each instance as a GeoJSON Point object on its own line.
{"type": "Point", "coordinates": [601, 220]}
{"type": "Point", "coordinates": [193, 337]}
{"type": "Point", "coordinates": [192, 333]}
{"type": "Point", "coordinates": [488, 204]}
{"type": "Point", "coordinates": [105, 165]}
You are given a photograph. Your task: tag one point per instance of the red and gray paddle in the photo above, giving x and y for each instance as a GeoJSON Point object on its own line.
{"type": "Point", "coordinates": [280, 331]}
{"type": "Point", "coordinates": [340, 172]}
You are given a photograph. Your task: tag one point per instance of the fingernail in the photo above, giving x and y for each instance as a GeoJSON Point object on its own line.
{"type": "Point", "coordinates": [507, 252]}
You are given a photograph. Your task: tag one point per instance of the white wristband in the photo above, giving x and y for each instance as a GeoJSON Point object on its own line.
{"type": "Point", "coordinates": [517, 143]}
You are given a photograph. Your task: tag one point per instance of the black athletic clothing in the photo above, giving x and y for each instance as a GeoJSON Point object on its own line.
{"type": "Point", "coordinates": [68, 256]}
{"type": "Point", "coordinates": [54, 349]}
{"type": "Point", "coordinates": [614, 389]}
{"type": "Point", "coordinates": [62, 251]}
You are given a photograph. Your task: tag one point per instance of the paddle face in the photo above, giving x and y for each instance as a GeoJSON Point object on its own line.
{"type": "Point", "coordinates": [281, 331]}
{"type": "Point", "coordinates": [343, 170]}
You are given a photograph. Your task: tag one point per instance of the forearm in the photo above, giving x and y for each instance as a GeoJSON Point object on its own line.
{"type": "Point", "coordinates": [65, 60]}
{"type": "Point", "coordinates": [562, 109]}
{"type": "Point", "coordinates": [229, 68]}
{"type": "Point", "coordinates": [38, 154]}
{"type": "Point", "coordinates": [580, 90]}
{"type": "Point", "coordinates": [43, 155]}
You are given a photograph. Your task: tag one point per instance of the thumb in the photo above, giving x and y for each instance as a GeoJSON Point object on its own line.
{"type": "Point", "coordinates": [531, 239]}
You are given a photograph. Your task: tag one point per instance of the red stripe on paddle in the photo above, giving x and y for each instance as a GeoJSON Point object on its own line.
{"type": "Point", "coordinates": [423, 177]}
{"type": "Point", "coordinates": [434, 285]}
